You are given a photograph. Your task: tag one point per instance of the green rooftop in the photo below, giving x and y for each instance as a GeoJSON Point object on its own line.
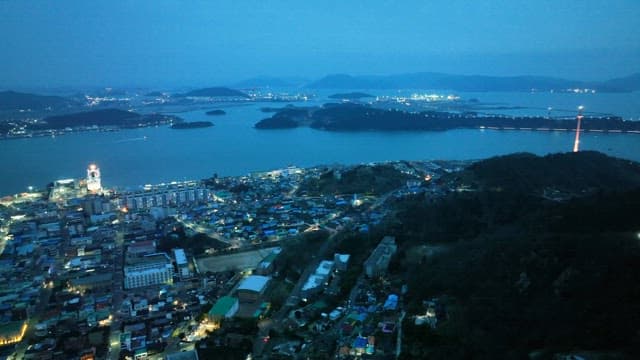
{"type": "Point", "coordinates": [222, 306]}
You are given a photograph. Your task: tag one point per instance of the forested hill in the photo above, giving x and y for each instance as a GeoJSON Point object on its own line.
{"type": "Point", "coordinates": [523, 268]}
{"type": "Point", "coordinates": [571, 172]}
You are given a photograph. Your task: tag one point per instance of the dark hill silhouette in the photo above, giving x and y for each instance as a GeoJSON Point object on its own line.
{"type": "Point", "coordinates": [431, 80]}
{"type": "Point", "coordinates": [12, 100]}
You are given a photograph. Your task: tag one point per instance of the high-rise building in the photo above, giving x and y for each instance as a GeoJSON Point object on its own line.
{"type": "Point", "coordinates": [93, 179]}
{"type": "Point", "coordinates": [153, 269]}
{"type": "Point", "coordinates": [378, 262]}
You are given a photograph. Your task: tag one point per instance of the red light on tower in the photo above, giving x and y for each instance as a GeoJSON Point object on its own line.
{"type": "Point", "coordinates": [576, 143]}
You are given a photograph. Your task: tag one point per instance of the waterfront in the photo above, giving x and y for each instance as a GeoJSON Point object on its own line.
{"type": "Point", "coordinates": [130, 158]}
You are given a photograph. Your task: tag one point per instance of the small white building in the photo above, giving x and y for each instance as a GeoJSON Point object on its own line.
{"type": "Point", "coordinates": [182, 263]}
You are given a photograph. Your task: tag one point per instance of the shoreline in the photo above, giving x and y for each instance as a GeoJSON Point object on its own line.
{"type": "Point", "coordinates": [55, 133]}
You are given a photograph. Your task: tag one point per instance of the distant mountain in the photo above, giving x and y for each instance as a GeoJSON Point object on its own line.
{"type": "Point", "coordinates": [11, 100]}
{"type": "Point", "coordinates": [214, 92]}
{"type": "Point", "coordinates": [627, 83]}
{"type": "Point", "coordinates": [271, 82]}
{"type": "Point", "coordinates": [344, 81]}
{"type": "Point", "coordinates": [429, 80]}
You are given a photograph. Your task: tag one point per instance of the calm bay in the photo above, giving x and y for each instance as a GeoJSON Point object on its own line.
{"type": "Point", "coordinates": [131, 158]}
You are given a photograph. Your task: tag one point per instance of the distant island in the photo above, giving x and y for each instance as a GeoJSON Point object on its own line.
{"type": "Point", "coordinates": [350, 96]}
{"type": "Point", "coordinates": [88, 120]}
{"type": "Point", "coordinates": [216, 112]}
{"type": "Point", "coordinates": [356, 117]}
{"type": "Point", "coordinates": [214, 92]}
{"type": "Point", "coordinates": [192, 125]}
{"type": "Point", "coordinates": [106, 117]}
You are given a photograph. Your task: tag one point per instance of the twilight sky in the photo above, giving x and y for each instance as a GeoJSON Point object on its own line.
{"type": "Point", "coordinates": [192, 43]}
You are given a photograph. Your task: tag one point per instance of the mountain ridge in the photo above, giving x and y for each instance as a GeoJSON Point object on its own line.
{"type": "Point", "coordinates": [471, 83]}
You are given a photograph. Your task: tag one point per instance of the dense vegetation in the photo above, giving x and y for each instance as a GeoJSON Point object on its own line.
{"type": "Point", "coordinates": [362, 179]}
{"type": "Point", "coordinates": [196, 244]}
{"type": "Point", "coordinates": [287, 117]}
{"type": "Point", "coordinates": [357, 117]}
{"type": "Point", "coordinates": [520, 272]}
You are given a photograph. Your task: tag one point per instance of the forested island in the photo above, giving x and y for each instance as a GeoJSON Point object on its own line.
{"type": "Point", "coordinates": [87, 120]}
{"type": "Point", "coordinates": [106, 117]}
{"type": "Point", "coordinates": [216, 112]}
{"type": "Point", "coordinates": [192, 125]}
{"type": "Point", "coordinates": [357, 117]}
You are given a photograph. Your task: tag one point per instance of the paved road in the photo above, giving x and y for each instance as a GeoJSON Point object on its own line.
{"type": "Point", "coordinates": [292, 300]}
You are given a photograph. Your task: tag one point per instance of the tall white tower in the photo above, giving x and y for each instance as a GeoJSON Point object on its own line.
{"type": "Point", "coordinates": [93, 179]}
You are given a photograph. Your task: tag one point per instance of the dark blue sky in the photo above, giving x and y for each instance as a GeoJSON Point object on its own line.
{"type": "Point", "coordinates": [174, 43]}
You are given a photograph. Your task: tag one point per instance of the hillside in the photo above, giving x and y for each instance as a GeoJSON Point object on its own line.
{"type": "Point", "coordinates": [361, 179]}
{"type": "Point", "coordinates": [578, 173]}
{"type": "Point", "coordinates": [519, 272]}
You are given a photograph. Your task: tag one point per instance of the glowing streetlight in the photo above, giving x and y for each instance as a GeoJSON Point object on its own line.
{"type": "Point", "coordinates": [576, 143]}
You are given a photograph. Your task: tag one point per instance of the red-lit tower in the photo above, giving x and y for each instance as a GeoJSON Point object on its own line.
{"type": "Point", "coordinates": [576, 144]}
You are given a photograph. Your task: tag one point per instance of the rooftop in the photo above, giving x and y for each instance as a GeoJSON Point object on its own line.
{"type": "Point", "coordinates": [254, 283]}
{"type": "Point", "coordinates": [222, 306]}
{"type": "Point", "coordinates": [181, 257]}
{"type": "Point", "coordinates": [184, 355]}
